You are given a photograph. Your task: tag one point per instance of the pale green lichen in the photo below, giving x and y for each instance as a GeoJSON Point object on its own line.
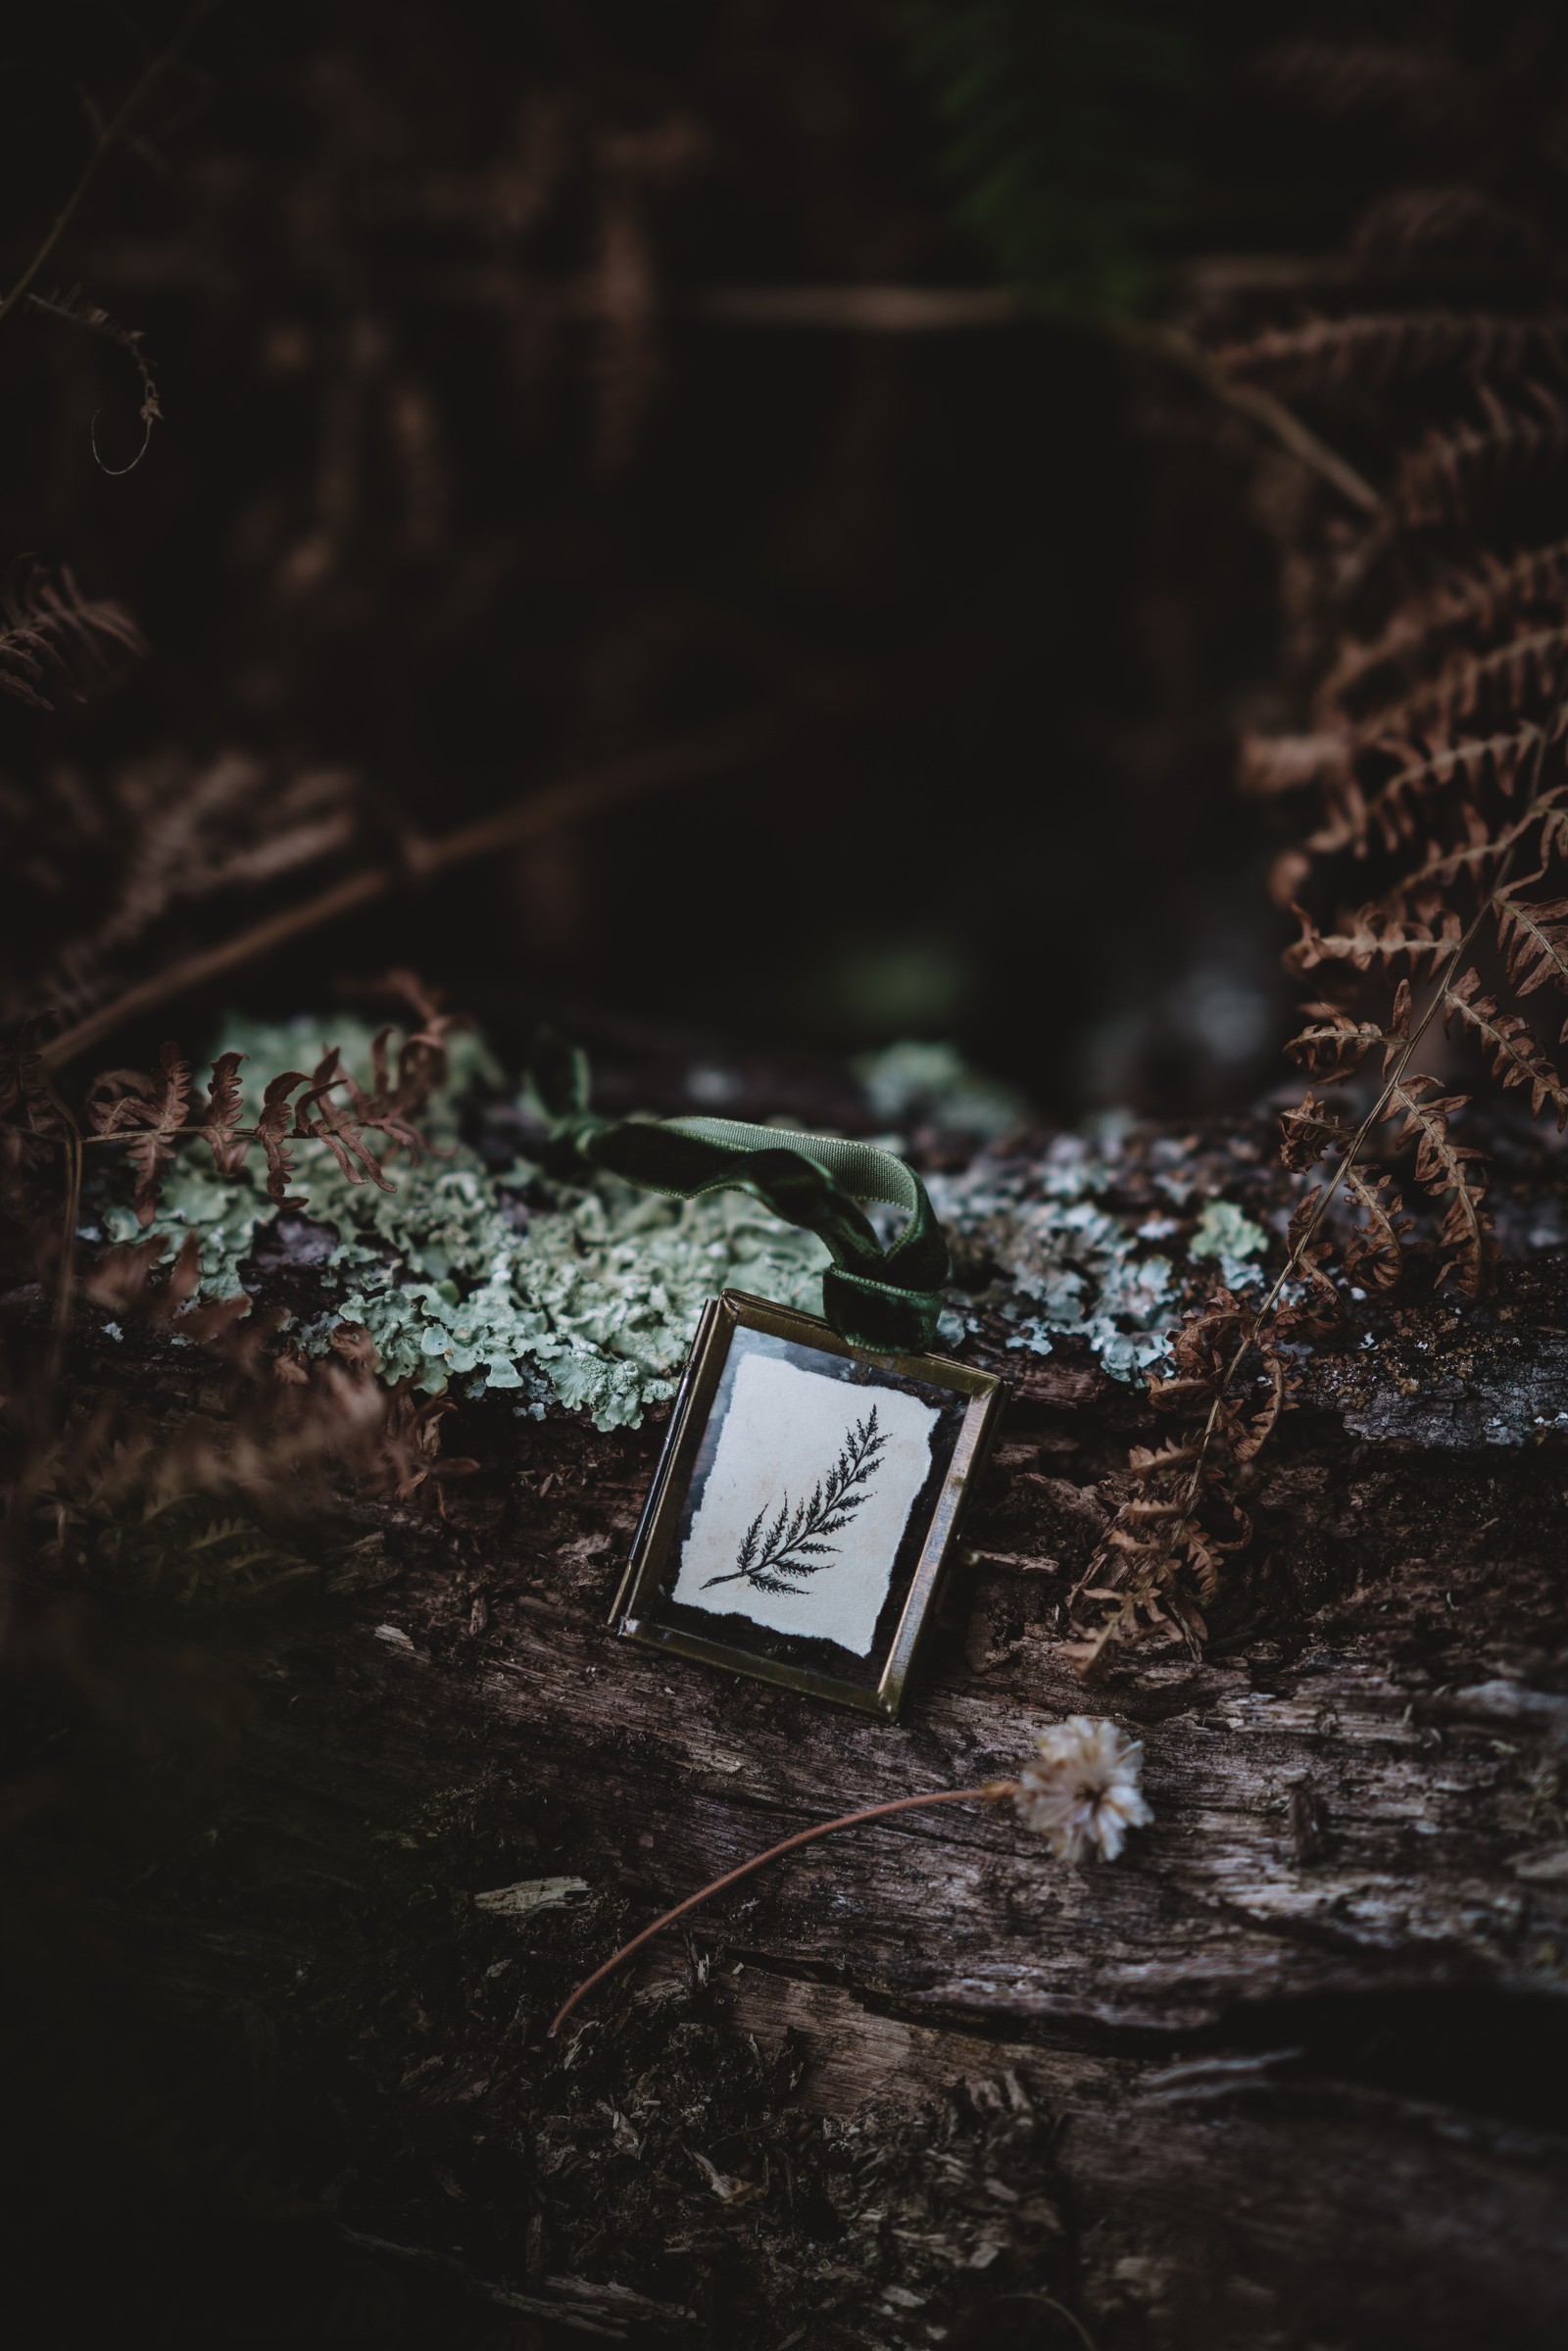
{"type": "Point", "coordinates": [1043, 1222]}
{"type": "Point", "coordinates": [589, 1300]}
{"type": "Point", "coordinates": [915, 1082]}
{"type": "Point", "coordinates": [1225, 1234]}
{"type": "Point", "coordinates": [1051, 1225]}
{"type": "Point", "coordinates": [484, 1279]}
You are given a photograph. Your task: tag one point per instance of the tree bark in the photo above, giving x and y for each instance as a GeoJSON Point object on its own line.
{"type": "Point", "coordinates": [1287, 2075]}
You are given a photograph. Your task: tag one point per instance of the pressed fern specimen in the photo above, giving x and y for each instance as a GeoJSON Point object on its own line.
{"type": "Point", "coordinates": [796, 1543]}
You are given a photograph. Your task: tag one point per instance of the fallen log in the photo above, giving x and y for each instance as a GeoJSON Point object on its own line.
{"type": "Point", "coordinates": [1286, 2075]}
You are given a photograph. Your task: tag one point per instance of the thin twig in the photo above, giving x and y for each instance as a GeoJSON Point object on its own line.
{"type": "Point", "coordinates": [1182, 351]}
{"type": "Point", "coordinates": [990, 1794]}
{"type": "Point", "coordinates": [107, 138]}
{"type": "Point", "coordinates": [568, 802]}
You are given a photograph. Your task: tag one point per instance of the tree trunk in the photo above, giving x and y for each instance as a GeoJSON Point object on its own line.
{"type": "Point", "coordinates": [1289, 2073]}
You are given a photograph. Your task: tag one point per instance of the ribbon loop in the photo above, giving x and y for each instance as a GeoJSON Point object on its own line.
{"type": "Point", "coordinates": [883, 1299]}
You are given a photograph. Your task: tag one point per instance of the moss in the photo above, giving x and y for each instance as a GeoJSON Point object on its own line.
{"type": "Point", "coordinates": [1224, 1233]}
{"type": "Point", "coordinates": [1052, 1225]}
{"type": "Point", "coordinates": [493, 1280]}
{"type": "Point", "coordinates": [914, 1083]}
{"type": "Point", "coordinates": [483, 1280]}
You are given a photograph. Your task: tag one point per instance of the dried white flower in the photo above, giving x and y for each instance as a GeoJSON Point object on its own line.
{"type": "Point", "coordinates": [1080, 1792]}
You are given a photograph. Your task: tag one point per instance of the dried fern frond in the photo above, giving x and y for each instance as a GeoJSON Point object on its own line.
{"type": "Point", "coordinates": [1431, 751]}
{"type": "Point", "coordinates": [1333, 1046]}
{"type": "Point", "coordinates": [1450, 1172]}
{"type": "Point", "coordinates": [1482, 848]}
{"type": "Point", "coordinates": [1376, 939]}
{"type": "Point", "coordinates": [1380, 350]}
{"type": "Point", "coordinates": [1517, 1056]}
{"type": "Point", "coordinates": [1493, 600]}
{"type": "Point", "coordinates": [1309, 1130]}
{"type": "Point", "coordinates": [1475, 688]}
{"type": "Point", "coordinates": [1374, 1254]}
{"type": "Point", "coordinates": [51, 632]}
{"type": "Point", "coordinates": [1459, 472]}
{"type": "Point", "coordinates": [1471, 766]}
{"type": "Point", "coordinates": [153, 1112]}
{"type": "Point", "coordinates": [1533, 937]}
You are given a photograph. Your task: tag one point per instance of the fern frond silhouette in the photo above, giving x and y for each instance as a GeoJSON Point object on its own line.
{"type": "Point", "coordinates": [796, 1543]}
{"type": "Point", "coordinates": [50, 630]}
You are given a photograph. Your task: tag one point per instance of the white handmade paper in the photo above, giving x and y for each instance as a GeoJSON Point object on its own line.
{"type": "Point", "coordinates": [805, 1507]}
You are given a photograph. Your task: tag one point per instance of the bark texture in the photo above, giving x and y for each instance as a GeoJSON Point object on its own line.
{"type": "Point", "coordinates": [1288, 2076]}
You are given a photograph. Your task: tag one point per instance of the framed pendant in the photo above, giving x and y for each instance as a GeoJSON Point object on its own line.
{"type": "Point", "coordinates": [804, 1505]}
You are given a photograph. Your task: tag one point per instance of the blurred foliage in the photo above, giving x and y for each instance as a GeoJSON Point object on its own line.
{"type": "Point", "coordinates": [1069, 129]}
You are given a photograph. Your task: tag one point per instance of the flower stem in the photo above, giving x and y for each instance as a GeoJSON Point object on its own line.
{"type": "Point", "coordinates": [990, 1794]}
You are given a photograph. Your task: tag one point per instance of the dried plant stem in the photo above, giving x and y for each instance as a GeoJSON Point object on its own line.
{"type": "Point", "coordinates": [65, 1278]}
{"type": "Point", "coordinates": [1282, 424]}
{"type": "Point", "coordinates": [991, 1793]}
{"type": "Point", "coordinates": [1391, 1088]}
{"type": "Point", "coordinates": [567, 803]}
{"type": "Point", "coordinates": [107, 138]}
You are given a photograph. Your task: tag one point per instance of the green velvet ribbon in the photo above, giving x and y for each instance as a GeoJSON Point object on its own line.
{"type": "Point", "coordinates": [883, 1299]}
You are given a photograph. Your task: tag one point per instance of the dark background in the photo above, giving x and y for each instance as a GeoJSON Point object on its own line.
{"type": "Point", "coordinates": [462, 487]}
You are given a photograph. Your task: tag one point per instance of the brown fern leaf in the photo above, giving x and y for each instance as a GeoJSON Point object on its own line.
{"type": "Point", "coordinates": [31, 1118]}
{"type": "Point", "coordinates": [152, 1107]}
{"type": "Point", "coordinates": [271, 1132]}
{"type": "Point", "coordinates": [421, 1059]}
{"type": "Point", "coordinates": [1381, 349]}
{"type": "Point", "coordinates": [1475, 688]}
{"type": "Point", "coordinates": [1482, 847]}
{"type": "Point", "coordinates": [1462, 225]}
{"type": "Point", "coordinates": [1533, 938]}
{"type": "Point", "coordinates": [1333, 1046]}
{"type": "Point", "coordinates": [1442, 1168]}
{"type": "Point", "coordinates": [224, 1104]}
{"type": "Point", "coordinates": [48, 630]}
{"type": "Point", "coordinates": [1309, 1131]}
{"type": "Point", "coordinates": [1320, 1309]}
{"type": "Point", "coordinates": [397, 1101]}
{"type": "Point", "coordinates": [1373, 1256]}
{"type": "Point", "coordinates": [1154, 1461]}
{"type": "Point", "coordinates": [1490, 602]}
{"type": "Point", "coordinates": [1472, 765]}
{"type": "Point", "coordinates": [1375, 939]}
{"type": "Point", "coordinates": [1202, 1349]}
{"type": "Point", "coordinates": [1384, 84]}
{"type": "Point", "coordinates": [1459, 471]}
{"type": "Point", "coordinates": [339, 1127]}
{"type": "Point", "coordinates": [1249, 1421]}
{"type": "Point", "coordinates": [1518, 1056]}
{"type": "Point", "coordinates": [1269, 765]}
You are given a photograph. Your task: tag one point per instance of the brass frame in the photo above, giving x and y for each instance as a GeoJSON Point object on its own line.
{"type": "Point", "coordinates": [656, 1532]}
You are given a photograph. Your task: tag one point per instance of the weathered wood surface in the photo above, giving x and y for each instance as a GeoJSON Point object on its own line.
{"type": "Point", "coordinates": [1290, 2074]}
